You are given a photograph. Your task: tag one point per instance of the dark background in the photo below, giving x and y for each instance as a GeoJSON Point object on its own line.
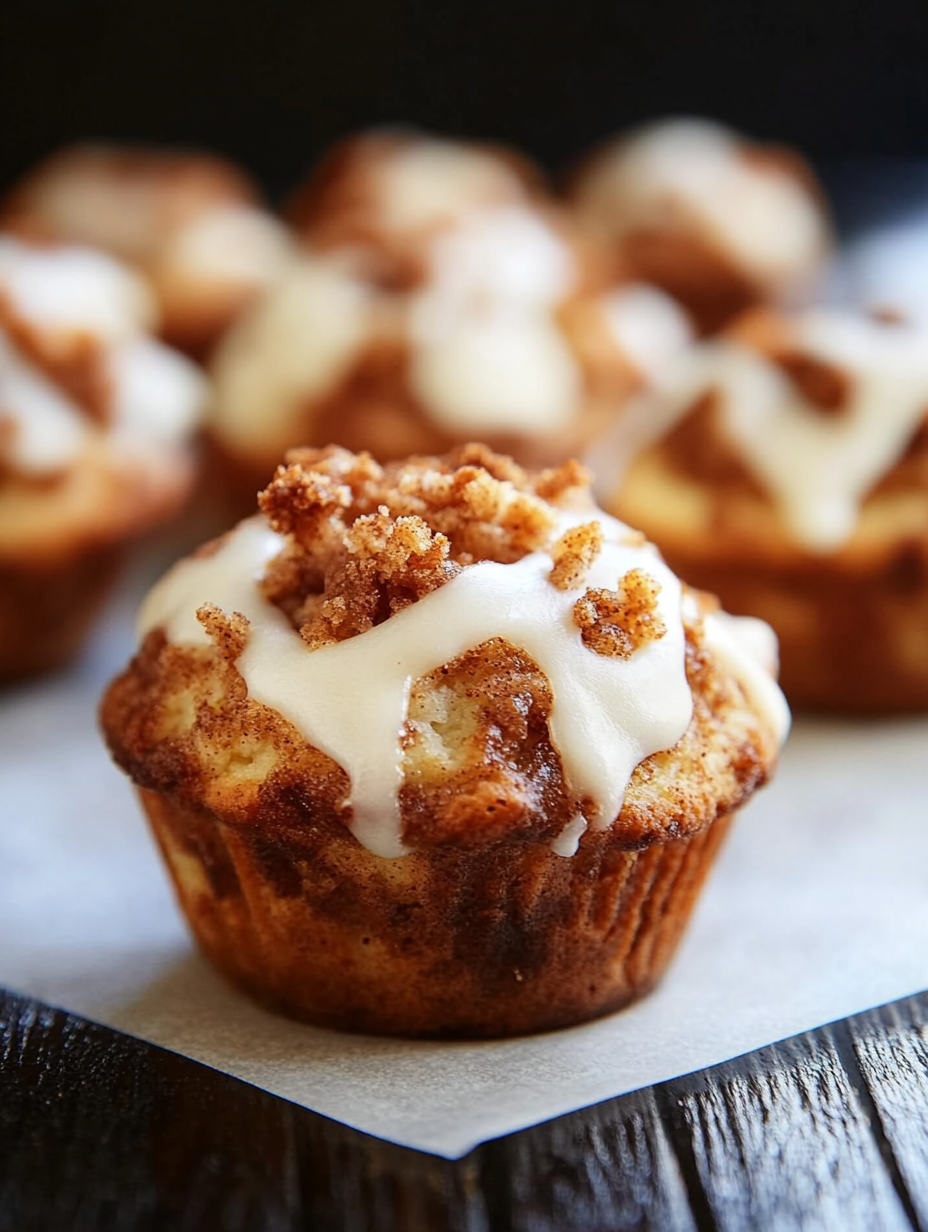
{"type": "Point", "coordinates": [273, 83]}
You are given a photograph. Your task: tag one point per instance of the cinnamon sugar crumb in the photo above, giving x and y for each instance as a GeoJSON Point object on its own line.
{"type": "Point", "coordinates": [558, 484]}
{"type": "Point", "coordinates": [229, 634]}
{"type": "Point", "coordinates": [573, 554]}
{"type": "Point", "coordinates": [364, 541]}
{"type": "Point", "coordinates": [616, 623]}
{"type": "Point", "coordinates": [390, 564]}
{"type": "Point", "coordinates": [300, 500]}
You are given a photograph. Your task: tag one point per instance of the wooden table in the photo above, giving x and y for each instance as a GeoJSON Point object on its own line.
{"type": "Point", "coordinates": [829, 1130]}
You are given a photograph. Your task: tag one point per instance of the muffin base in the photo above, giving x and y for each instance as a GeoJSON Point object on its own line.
{"type": "Point", "coordinates": [849, 643]}
{"type": "Point", "coordinates": [48, 608]}
{"type": "Point", "coordinates": [493, 941]}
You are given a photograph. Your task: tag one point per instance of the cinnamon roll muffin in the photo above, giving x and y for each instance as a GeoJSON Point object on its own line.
{"type": "Point", "coordinates": [193, 224]}
{"type": "Point", "coordinates": [95, 418]}
{"type": "Point", "coordinates": [717, 221]}
{"type": "Point", "coordinates": [786, 469]}
{"type": "Point", "coordinates": [439, 748]}
{"type": "Point", "coordinates": [508, 333]}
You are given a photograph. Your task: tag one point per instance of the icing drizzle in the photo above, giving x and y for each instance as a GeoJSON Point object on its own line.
{"type": "Point", "coordinates": [350, 699]}
{"type": "Point", "coordinates": [818, 467]}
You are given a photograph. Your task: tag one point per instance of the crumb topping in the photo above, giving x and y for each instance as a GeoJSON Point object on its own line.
{"type": "Point", "coordinates": [365, 540]}
{"type": "Point", "coordinates": [573, 554]}
{"type": "Point", "coordinates": [616, 623]}
{"type": "Point", "coordinates": [229, 634]}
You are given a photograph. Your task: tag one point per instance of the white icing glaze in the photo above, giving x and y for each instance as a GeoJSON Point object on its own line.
{"type": "Point", "coordinates": [292, 346]}
{"type": "Point", "coordinates": [747, 648]}
{"type": "Point", "coordinates": [761, 216]}
{"type": "Point", "coordinates": [818, 466]}
{"type": "Point", "coordinates": [235, 244]}
{"type": "Point", "coordinates": [157, 394]}
{"type": "Point", "coordinates": [428, 182]}
{"type": "Point", "coordinates": [487, 352]}
{"type": "Point", "coordinates": [650, 328]}
{"type": "Point", "coordinates": [568, 841]}
{"type": "Point", "coordinates": [350, 699]}
{"type": "Point", "coordinates": [49, 430]}
{"type": "Point", "coordinates": [498, 370]}
{"type": "Point", "coordinates": [74, 290]}
{"type": "Point", "coordinates": [509, 253]}
{"type": "Point", "coordinates": [154, 393]}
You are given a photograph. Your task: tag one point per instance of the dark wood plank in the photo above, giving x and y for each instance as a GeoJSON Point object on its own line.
{"type": "Point", "coordinates": [100, 1132]}
{"type": "Point", "coordinates": [779, 1139]}
{"type": "Point", "coordinates": [96, 1134]}
{"type": "Point", "coordinates": [891, 1048]}
{"type": "Point", "coordinates": [355, 1182]}
{"type": "Point", "coordinates": [609, 1168]}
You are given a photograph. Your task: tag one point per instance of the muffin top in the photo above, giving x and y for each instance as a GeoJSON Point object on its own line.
{"type": "Point", "coordinates": [392, 189]}
{"type": "Point", "coordinates": [444, 651]}
{"type": "Point", "coordinates": [94, 414]}
{"type": "Point", "coordinates": [812, 412]}
{"type": "Point", "coordinates": [755, 207]}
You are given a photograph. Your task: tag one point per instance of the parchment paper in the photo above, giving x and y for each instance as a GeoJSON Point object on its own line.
{"type": "Point", "coordinates": [817, 908]}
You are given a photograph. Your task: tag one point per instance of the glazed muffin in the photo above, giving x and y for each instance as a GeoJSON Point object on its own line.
{"type": "Point", "coordinates": [717, 221]}
{"type": "Point", "coordinates": [390, 191]}
{"type": "Point", "coordinates": [95, 418]}
{"type": "Point", "coordinates": [439, 748]}
{"type": "Point", "coordinates": [508, 334]}
{"type": "Point", "coordinates": [787, 471]}
{"type": "Point", "coordinates": [193, 224]}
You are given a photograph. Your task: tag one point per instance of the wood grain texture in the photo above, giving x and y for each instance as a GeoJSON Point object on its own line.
{"type": "Point", "coordinates": [609, 1167]}
{"type": "Point", "coordinates": [891, 1049]}
{"type": "Point", "coordinates": [102, 1133]}
{"type": "Point", "coordinates": [779, 1139]}
{"type": "Point", "coordinates": [96, 1133]}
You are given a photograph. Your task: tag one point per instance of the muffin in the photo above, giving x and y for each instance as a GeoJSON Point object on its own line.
{"type": "Point", "coordinates": [717, 221]}
{"type": "Point", "coordinates": [787, 471]}
{"type": "Point", "coordinates": [508, 333]}
{"type": "Point", "coordinates": [191, 223]}
{"type": "Point", "coordinates": [95, 418]}
{"type": "Point", "coordinates": [438, 748]}
{"type": "Point", "coordinates": [390, 191]}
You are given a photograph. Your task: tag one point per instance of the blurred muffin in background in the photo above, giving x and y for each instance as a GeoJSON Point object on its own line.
{"type": "Point", "coordinates": [787, 471]}
{"type": "Point", "coordinates": [191, 222]}
{"type": "Point", "coordinates": [717, 221]}
{"type": "Point", "coordinates": [95, 418]}
{"type": "Point", "coordinates": [390, 191]}
{"type": "Point", "coordinates": [508, 332]}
